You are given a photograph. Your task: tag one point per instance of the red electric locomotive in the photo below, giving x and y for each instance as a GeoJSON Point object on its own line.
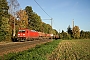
{"type": "Point", "coordinates": [26, 34]}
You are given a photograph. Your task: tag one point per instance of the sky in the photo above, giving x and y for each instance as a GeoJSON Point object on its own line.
{"type": "Point", "coordinates": [62, 12]}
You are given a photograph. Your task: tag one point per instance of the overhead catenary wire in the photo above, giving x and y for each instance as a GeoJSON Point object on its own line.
{"type": "Point", "coordinates": [46, 13]}
{"type": "Point", "coordinates": [42, 8]}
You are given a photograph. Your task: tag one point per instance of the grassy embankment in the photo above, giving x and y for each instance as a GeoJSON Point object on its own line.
{"type": "Point", "coordinates": [40, 52]}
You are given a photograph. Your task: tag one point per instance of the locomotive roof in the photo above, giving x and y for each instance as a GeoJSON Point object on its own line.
{"type": "Point", "coordinates": [27, 29]}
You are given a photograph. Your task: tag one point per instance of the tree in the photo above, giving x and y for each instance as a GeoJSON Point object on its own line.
{"type": "Point", "coordinates": [17, 25]}
{"type": "Point", "coordinates": [30, 15]}
{"type": "Point", "coordinates": [82, 34]}
{"type": "Point", "coordinates": [49, 29]}
{"type": "Point", "coordinates": [63, 35]}
{"type": "Point", "coordinates": [54, 31]}
{"type": "Point", "coordinates": [44, 27]}
{"type": "Point", "coordinates": [85, 34]}
{"type": "Point", "coordinates": [23, 18]}
{"type": "Point", "coordinates": [34, 21]}
{"type": "Point", "coordinates": [69, 30]}
{"type": "Point", "coordinates": [76, 32]}
{"type": "Point", "coordinates": [5, 31]}
{"type": "Point", "coordinates": [4, 8]}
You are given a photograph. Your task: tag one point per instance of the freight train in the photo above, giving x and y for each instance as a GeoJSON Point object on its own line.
{"type": "Point", "coordinates": [27, 34]}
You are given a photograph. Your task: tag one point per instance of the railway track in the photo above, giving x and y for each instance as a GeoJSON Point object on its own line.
{"type": "Point", "coordinates": [19, 46]}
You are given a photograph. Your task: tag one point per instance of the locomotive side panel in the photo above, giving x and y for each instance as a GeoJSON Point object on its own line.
{"type": "Point", "coordinates": [33, 35]}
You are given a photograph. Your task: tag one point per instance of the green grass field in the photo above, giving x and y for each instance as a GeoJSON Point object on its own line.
{"type": "Point", "coordinates": [55, 50]}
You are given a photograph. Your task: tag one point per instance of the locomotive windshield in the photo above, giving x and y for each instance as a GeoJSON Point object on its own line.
{"type": "Point", "coordinates": [22, 31]}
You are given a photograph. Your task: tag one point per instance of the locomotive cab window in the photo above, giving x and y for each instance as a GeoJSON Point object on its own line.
{"type": "Point", "coordinates": [22, 31]}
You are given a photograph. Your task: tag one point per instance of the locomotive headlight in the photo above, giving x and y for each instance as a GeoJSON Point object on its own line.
{"type": "Point", "coordinates": [18, 34]}
{"type": "Point", "coordinates": [23, 34]}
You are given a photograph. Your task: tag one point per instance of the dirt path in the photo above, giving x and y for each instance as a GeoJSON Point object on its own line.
{"type": "Point", "coordinates": [71, 50]}
{"type": "Point", "coordinates": [19, 46]}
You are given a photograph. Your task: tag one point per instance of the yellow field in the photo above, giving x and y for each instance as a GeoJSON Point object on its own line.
{"type": "Point", "coordinates": [71, 50]}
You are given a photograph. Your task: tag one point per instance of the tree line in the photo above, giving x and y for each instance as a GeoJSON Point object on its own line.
{"type": "Point", "coordinates": [74, 33]}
